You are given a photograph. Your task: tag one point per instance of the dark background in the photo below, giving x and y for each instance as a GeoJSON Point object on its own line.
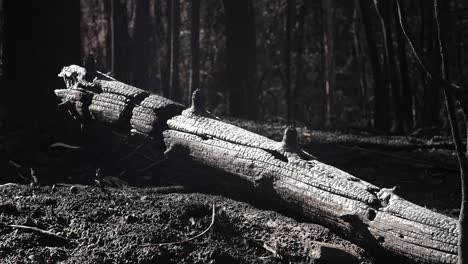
{"type": "Point", "coordinates": [265, 60]}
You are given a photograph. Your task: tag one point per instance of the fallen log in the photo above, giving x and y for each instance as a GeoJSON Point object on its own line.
{"type": "Point", "coordinates": [373, 217]}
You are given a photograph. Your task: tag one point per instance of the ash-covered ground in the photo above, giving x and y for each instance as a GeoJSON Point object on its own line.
{"type": "Point", "coordinates": [78, 222]}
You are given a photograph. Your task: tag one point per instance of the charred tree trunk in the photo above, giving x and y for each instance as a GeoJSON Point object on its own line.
{"type": "Point", "coordinates": [3, 100]}
{"type": "Point", "coordinates": [381, 109]}
{"type": "Point", "coordinates": [174, 80]}
{"type": "Point", "coordinates": [166, 71]}
{"type": "Point", "coordinates": [397, 97]}
{"type": "Point", "coordinates": [2, 40]}
{"type": "Point", "coordinates": [378, 219]}
{"type": "Point", "coordinates": [431, 92]}
{"type": "Point", "coordinates": [96, 31]}
{"type": "Point", "coordinates": [406, 94]}
{"type": "Point", "coordinates": [445, 30]}
{"type": "Point", "coordinates": [328, 62]}
{"type": "Point", "coordinates": [195, 46]}
{"type": "Point", "coordinates": [290, 10]}
{"type": "Point", "coordinates": [141, 58]}
{"type": "Point", "coordinates": [299, 83]}
{"type": "Point", "coordinates": [240, 58]}
{"type": "Point", "coordinates": [358, 53]}
{"type": "Point", "coordinates": [121, 41]}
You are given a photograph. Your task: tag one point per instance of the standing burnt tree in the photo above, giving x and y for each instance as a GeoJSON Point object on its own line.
{"type": "Point", "coordinates": [195, 46]}
{"type": "Point", "coordinates": [328, 62]}
{"type": "Point", "coordinates": [381, 93]}
{"type": "Point", "coordinates": [241, 58]}
{"type": "Point", "coordinates": [174, 69]}
{"type": "Point", "coordinates": [455, 97]}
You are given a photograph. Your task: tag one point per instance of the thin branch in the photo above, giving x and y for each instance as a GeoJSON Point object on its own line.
{"type": "Point", "coordinates": [44, 233]}
{"type": "Point", "coordinates": [440, 80]}
{"type": "Point", "coordinates": [189, 239]}
{"type": "Point", "coordinates": [441, 51]}
{"type": "Point", "coordinates": [413, 49]}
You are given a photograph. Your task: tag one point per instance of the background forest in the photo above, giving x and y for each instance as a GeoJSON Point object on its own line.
{"type": "Point", "coordinates": [333, 64]}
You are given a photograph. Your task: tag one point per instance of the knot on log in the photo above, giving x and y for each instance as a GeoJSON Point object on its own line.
{"type": "Point", "coordinates": [198, 106]}
{"type": "Point", "coordinates": [385, 194]}
{"type": "Point", "coordinates": [290, 144]}
{"type": "Point", "coordinates": [290, 138]}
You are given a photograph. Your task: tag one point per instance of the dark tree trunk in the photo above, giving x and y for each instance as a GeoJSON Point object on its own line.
{"type": "Point", "coordinates": [328, 62]}
{"type": "Point", "coordinates": [406, 94]}
{"type": "Point", "coordinates": [174, 81]}
{"type": "Point", "coordinates": [1, 39]}
{"type": "Point", "coordinates": [358, 53]}
{"type": "Point", "coordinates": [381, 109]}
{"type": "Point", "coordinates": [431, 95]}
{"type": "Point", "coordinates": [141, 58]}
{"type": "Point", "coordinates": [240, 58]}
{"type": "Point", "coordinates": [195, 46]}
{"type": "Point", "coordinates": [96, 31]}
{"type": "Point", "coordinates": [3, 100]}
{"type": "Point", "coordinates": [155, 38]}
{"type": "Point", "coordinates": [121, 41]}
{"type": "Point", "coordinates": [290, 10]}
{"type": "Point", "coordinates": [446, 33]}
{"type": "Point", "coordinates": [166, 71]}
{"type": "Point", "coordinates": [299, 83]}
{"type": "Point", "coordinates": [397, 97]}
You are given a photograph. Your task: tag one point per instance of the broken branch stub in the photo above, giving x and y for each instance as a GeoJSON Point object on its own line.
{"type": "Point", "coordinates": [375, 218]}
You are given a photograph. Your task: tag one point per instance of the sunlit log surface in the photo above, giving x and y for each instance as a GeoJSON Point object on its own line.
{"type": "Point", "coordinates": [373, 217]}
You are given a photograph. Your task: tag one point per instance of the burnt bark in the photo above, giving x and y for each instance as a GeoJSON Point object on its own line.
{"type": "Point", "coordinates": [376, 218]}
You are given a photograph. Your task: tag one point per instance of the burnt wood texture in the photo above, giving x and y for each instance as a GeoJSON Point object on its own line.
{"type": "Point", "coordinates": [375, 218]}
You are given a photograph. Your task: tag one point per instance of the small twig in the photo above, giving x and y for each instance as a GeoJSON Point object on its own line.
{"type": "Point", "coordinates": [152, 165]}
{"type": "Point", "coordinates": [272, 250]}
{"type": "Point", "coordinates": [189, 239]}
{"type": "Point", "coordinates": [63, 145]}
{"type": "Point", "coordinates": [41, 232]}
{"type": "Point", "coordinates": [413, 49]}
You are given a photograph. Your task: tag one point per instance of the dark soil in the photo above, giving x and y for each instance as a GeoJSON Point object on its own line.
{"type": "Point", "coordinates": [112, 226]}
